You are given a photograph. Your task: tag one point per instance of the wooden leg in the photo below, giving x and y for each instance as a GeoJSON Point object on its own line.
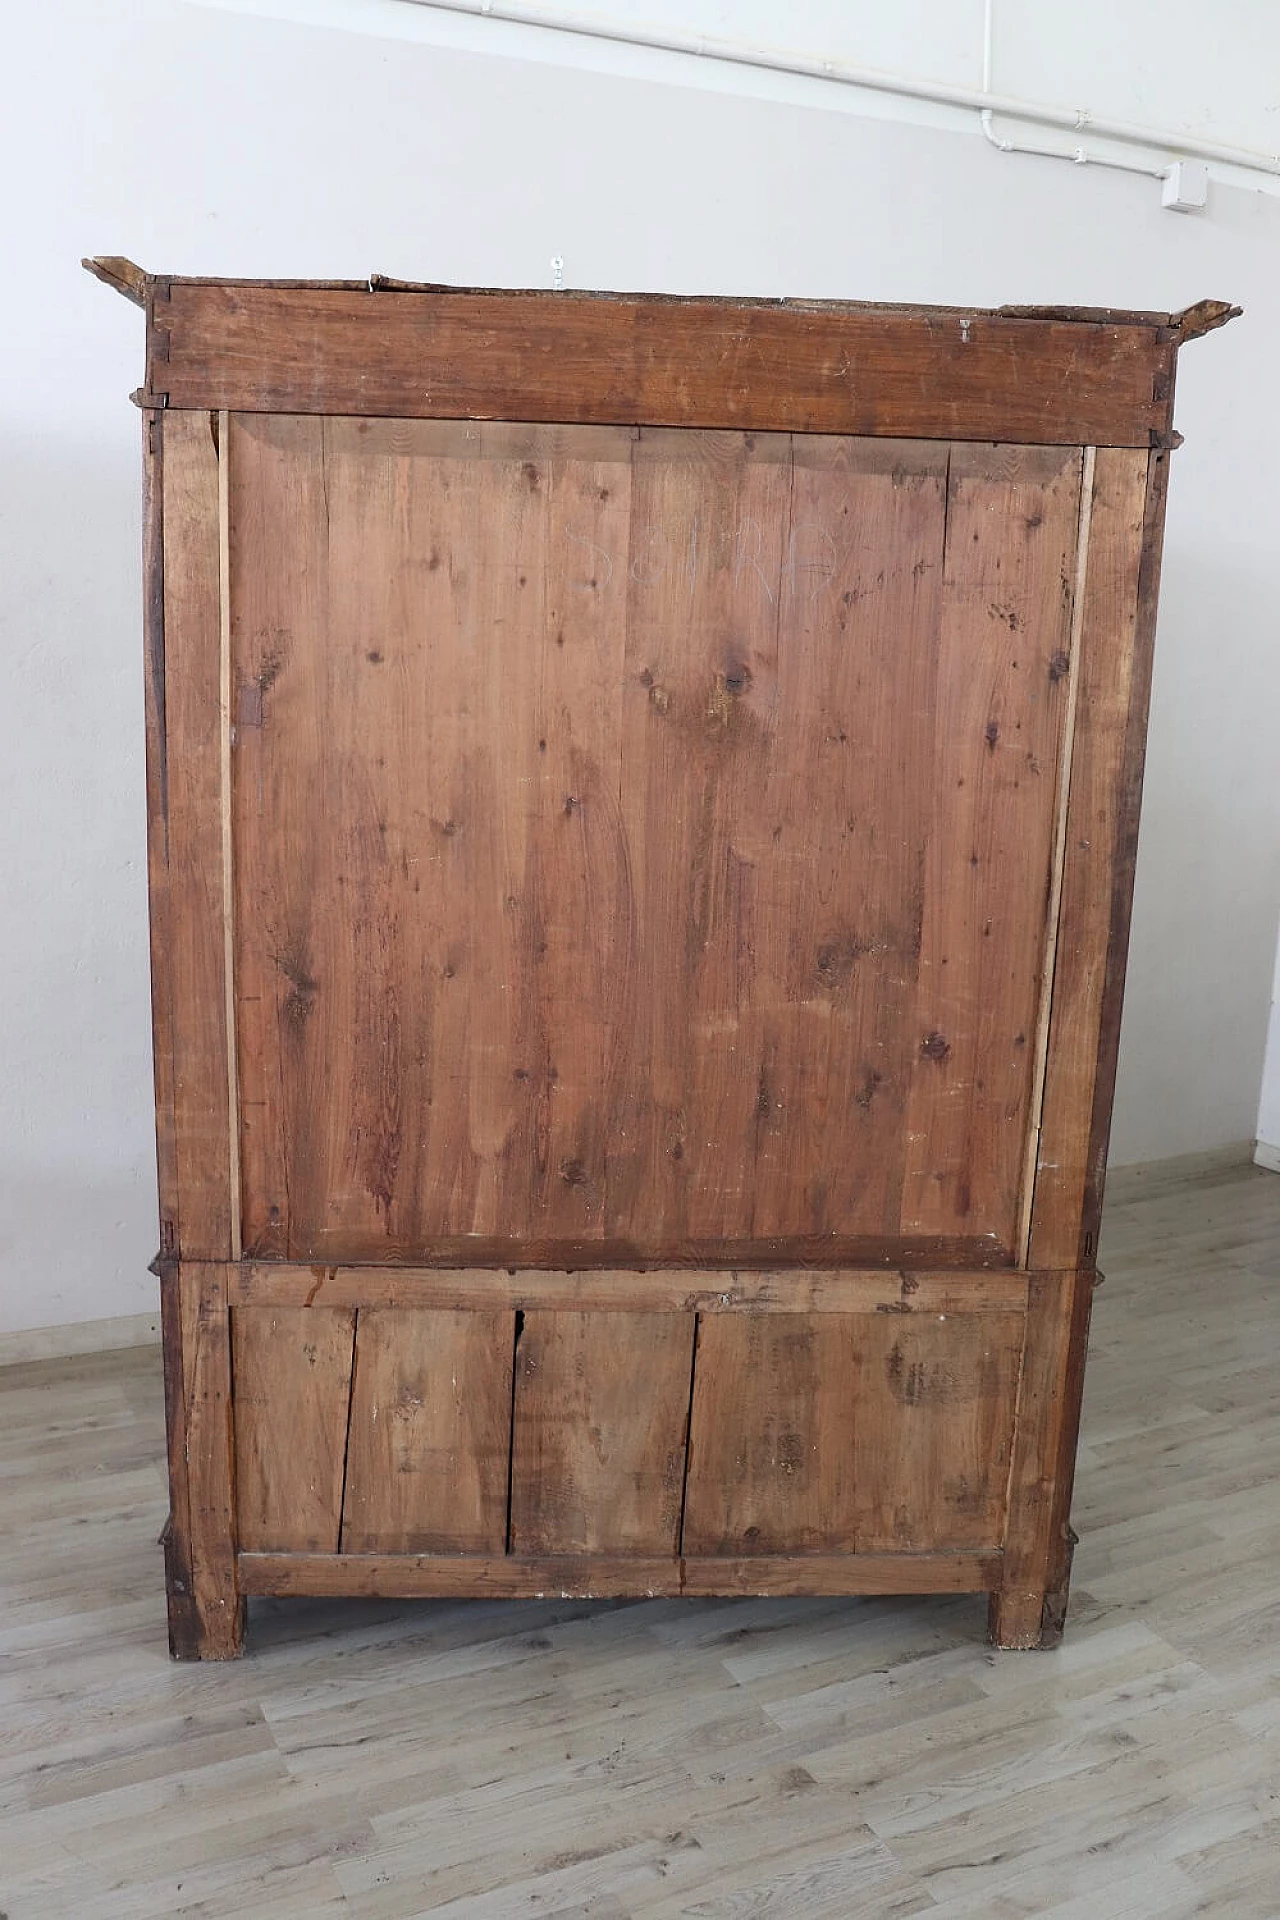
{"type": "Point", "coordinates": [1021, 1621]}
{"type": "Point", "coordinates": [206, 1611]}
{"type": "Point", "coordinates": [1029, 1608]}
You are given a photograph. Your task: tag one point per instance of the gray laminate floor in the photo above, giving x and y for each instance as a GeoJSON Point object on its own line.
{"type": "Point", "coordinates": [794, 1759]}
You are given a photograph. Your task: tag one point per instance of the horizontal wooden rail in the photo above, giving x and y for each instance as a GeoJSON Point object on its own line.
{"type": "Point", "coordinates": [571, 1577]}
{"type": "Point", "coordinates": [912, 373]}
{"type": "Point", "coordinates": [787, 1290]}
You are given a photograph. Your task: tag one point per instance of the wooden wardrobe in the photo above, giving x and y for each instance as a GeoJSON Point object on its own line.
{"type": "Point", "coordinates": [642, 799]}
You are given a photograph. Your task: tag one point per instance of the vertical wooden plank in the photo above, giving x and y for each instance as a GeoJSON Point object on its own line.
{"type": "Point", "coordinates": [206, 1613]}
{"type": "Point", "coordinates": [430, 1432]}
{"type": "Point", "coordinates": [202, 1123]}
{"type": "Point", "coordinates": [1127, 847]}
{"type": "Point", "coordinates": [184, 1621]}
{"type": "Point", "coordinates": [278, 611]}
{"type": "Point", "coordinates": [771, 1436]}
{"type": "Point", "coordinates": [484, 511]}
{"type": "Point", "coordinates": [934, 1398]}
{"type": "Point", "coordinates": [1030, 1607]}
{"type": "Point", "coordinates": [836, 838]}
{"type": "Point", "coordinates": [600, 1427]}
{"type": "Point", "coordinates": [1002, 681]}
{"type": "Point", "coordinates": [842, 1433]}
{"type": "Point", "coordinates": [1100, 841]}
{"type": "Point", "coordinates": [574, 904]}
{"type": "Point", "coordinates": [709, 526]}
{"type": "Point", "coordinates": [1058, 862]}
{"type": "Point", "coordinates": [292, 1387]}
{"type": "Point", "coordinates": [225, 831]}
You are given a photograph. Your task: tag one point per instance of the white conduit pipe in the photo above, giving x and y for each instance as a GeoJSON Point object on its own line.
{"type": "Point", "coordinates": [1083, 119]}
{"type": "Point", "coordinates": [975, 99]}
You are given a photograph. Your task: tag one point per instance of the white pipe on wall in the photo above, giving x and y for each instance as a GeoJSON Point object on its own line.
{"type": "Point", "coordinates": [1084, 118]}
{"type": "Point", "coordinates": [939, 92]}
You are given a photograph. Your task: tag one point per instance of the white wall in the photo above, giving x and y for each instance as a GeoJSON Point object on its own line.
{"type": "Point", "coordinates": [210, 141]}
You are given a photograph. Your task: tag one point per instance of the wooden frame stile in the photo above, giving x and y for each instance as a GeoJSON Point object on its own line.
{"type": "Point", "coordinates": [187, 782]}
{"type": "Point", "coordinates": [228, 877]}
{"type": "Point", "coordinates": [1116, 630]}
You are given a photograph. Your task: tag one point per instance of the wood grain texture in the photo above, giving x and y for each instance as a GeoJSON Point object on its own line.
{"type": "Point", "coordinates": [459, 1576]}
{"type": "Point", "coordinates": [998, 729]}
{"type": "Point", "coordinates": [1058, 857]}
{"type": "Point", "coordinates": [1122, 872]}
{"type": "Point", "coordinates": [392, 743]}
{"type": "Point", "coordinates": [192, 808]}
{"type": "Point", "coordinates": [601, 1411]}
{"type": "Point", "coordinates": [162, 1034]}
{"type": "Point", "coordinates": [934, 374]}
{"type": "Point", "coordinates": [1099, 840]}
{"type": "Point", "coordinates": [292, 1395]}
{"type": "Point", "coordinates": [770, 577]}
{"type": "Point", "coordinates": [184, 1625]}
{"type": "Point", "coordinates": [827, 1434]}
{"type": "Point", "coordinates": [1029, 1608]}
{"type": "Point", "coordinates": [599, 1577]}
{"type": "Point", "coordinates": [206, 1614]}
{"type": "Point", "coordinates": [225, 731]}
{"type": "Point", "coordinates": [516, 702]}
{"type": "Point", "coordinates": [430, 1433]}
{"type": "Point", "coordinates": [615, 1290]}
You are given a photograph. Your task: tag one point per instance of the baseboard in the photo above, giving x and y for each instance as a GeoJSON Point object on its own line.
{"type": "Point", "coordinates": [1153, 1176]}
{"type": "Point", "coordinates": [79, 1336]}
{"type": "Point", "coordinates": [1265, 1155]}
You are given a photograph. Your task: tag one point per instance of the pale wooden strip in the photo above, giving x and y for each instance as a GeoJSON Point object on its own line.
{"type": "Point", "coordinates": [1065, 761]}
{"type": "Point", "coordinates": [666, 1290]}
{"type": "Point", "coordinates": [158, 879]}
{"type": "Point", "coordinates": [224, 809]}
